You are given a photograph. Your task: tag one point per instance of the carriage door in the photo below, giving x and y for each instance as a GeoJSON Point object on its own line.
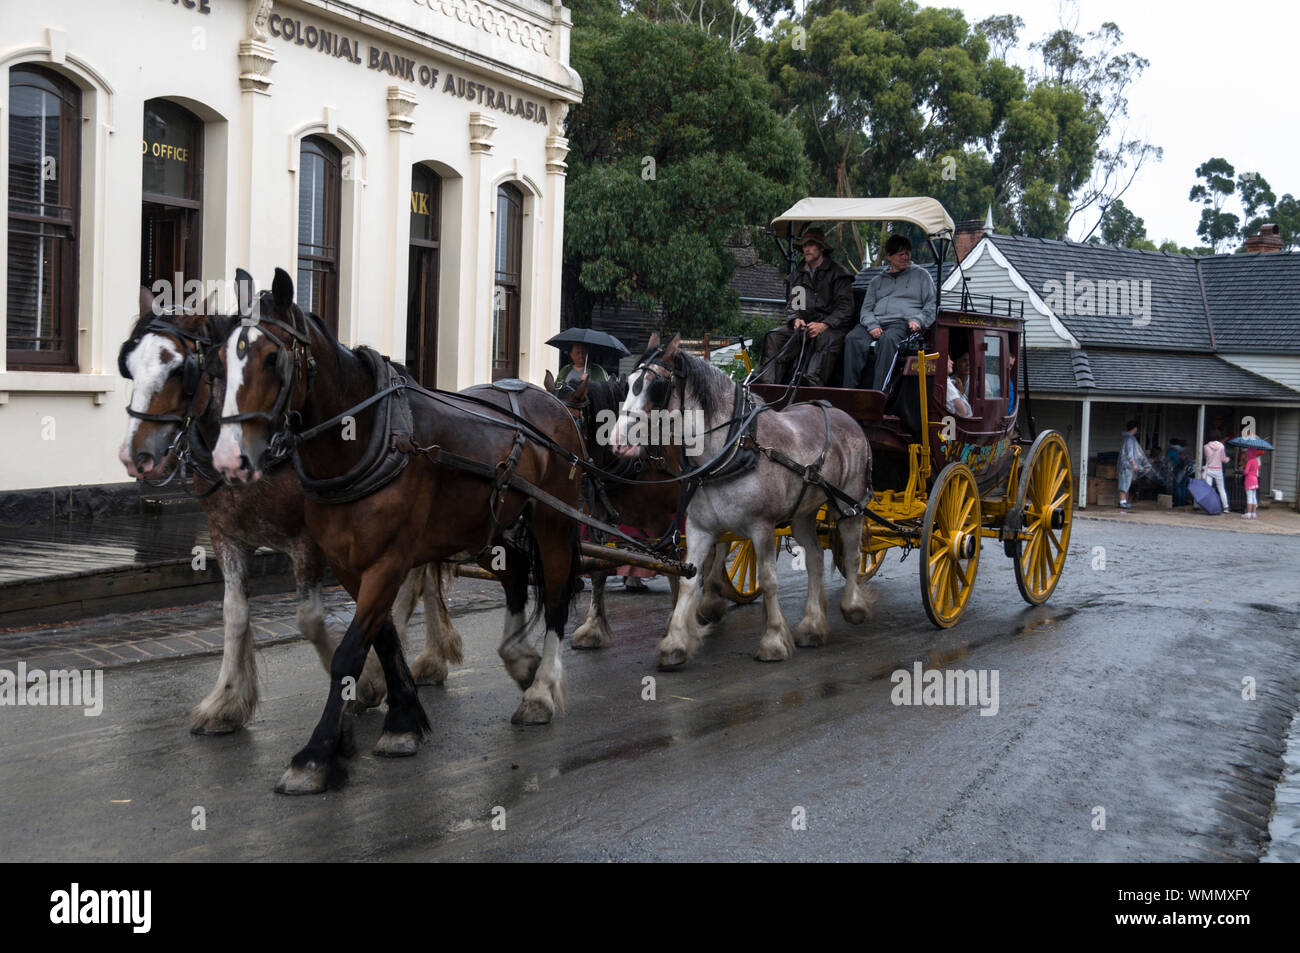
{"type": "Point", "coordinates": [422, 277]}
{"type": "Point", "coordinates": [171, 216]}
{"type": "Point", "coordinates": [507, 287]}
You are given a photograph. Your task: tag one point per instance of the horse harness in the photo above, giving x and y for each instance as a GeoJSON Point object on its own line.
{"type": "Point", "coordinates": [191, 453]}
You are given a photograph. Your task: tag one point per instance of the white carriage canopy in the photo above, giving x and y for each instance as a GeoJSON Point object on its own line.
{"type": "Point", "coordinates": [925, 213]}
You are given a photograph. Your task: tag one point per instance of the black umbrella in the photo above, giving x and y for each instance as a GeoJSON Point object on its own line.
{"type": "Point", "coordinates": [589, 337]}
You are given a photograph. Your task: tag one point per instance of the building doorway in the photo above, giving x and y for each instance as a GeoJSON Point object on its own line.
{"type": "Point", "coordinates": [422, 277]}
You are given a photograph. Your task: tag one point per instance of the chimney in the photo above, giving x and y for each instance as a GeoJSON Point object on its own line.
{"type": "Point", "coordinates": [1269, 239]}
{"type": "Point", "coordinates": [967, 236]}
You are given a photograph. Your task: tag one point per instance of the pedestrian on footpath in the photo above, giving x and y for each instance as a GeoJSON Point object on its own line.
{"type": "Point", "coordinates": [1132, 461]}
{"type": "Point", "coordinates": [1252, 484]}
{"type": "Point", "coordinates": [1212, 471]}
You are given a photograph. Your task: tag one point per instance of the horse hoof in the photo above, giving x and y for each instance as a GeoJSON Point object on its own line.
{"type": "Point", "coordinates": [774, 653]}
{"type": "Point", "coordinates": [588, 638]}
{"type": "Point", "coordinates": [671, 659]}
{"type": "Point", "coordinates": [395, 745]}
{"type": "Point", "coordinates": [429, 672]}
{"type": "Point", "coordinates": [531, 711]}
{"type": "Point", "coordinates": [854, 616]}
{"type": "Point", "coordinates": [311, 778]}
{"type": "Point", "coordinates": [215, 728]}
{"type": "Point", "coordinates": [810, 641]}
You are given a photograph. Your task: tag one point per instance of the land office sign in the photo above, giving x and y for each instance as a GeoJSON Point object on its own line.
{"type": "Point", "coordinates": [338, 45]}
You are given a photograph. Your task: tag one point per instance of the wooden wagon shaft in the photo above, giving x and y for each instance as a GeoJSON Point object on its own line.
{"type": "Point", "coordinates": [597, 557]}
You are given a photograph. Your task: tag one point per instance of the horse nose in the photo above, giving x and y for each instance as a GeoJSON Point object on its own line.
{"type": "Point", "coordinates": [144, 463]}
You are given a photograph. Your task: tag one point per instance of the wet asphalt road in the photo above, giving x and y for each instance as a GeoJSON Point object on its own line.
{"type": "Point", "coordinates": [1123, 693]}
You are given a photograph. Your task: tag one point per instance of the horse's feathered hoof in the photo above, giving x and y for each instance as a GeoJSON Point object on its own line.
{"type": "Point", "coordinates": [532, 711]}
{"type": "Point", "coordinates": [854, 616]}
{"type": "Point", "coordinates": [671, 659]}
{"type": "Point", "coordinates": [429, 671]}
{"type": "Point", "coordinates": [310, 778]}
{"type": "Point", "coordinates": [215, 728]}
{"type": "Point", "coordinates": [397, 745]}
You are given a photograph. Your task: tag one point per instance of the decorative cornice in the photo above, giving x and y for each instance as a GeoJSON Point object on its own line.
{"type": "Point", "coordinates": [481, 128]}
{"type": "Point", "coordinates": [494, 21]}
{"type": "Point", "coordinates": [401, 103]}
{"type": "Point", "coordinates": [256, 60]}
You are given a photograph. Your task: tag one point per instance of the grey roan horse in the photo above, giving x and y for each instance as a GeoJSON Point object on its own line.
{"type": "Point", "coordinates": [753, 503]}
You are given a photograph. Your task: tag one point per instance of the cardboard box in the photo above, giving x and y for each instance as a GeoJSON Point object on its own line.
{"type": "Point", "coordinates": [1166, 500]}
{"type": "Point", "coordinates": [1106, 471]}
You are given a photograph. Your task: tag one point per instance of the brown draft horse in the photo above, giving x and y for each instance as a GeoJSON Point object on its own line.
{"type": "Point", "coordinates": [648, 506]}
{"type": "Point", "coordinates": [285, 370]}
{"type": "Point", "coordinates": [163, 357]}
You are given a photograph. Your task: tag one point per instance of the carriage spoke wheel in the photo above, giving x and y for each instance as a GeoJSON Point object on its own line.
{"type": "Point", "coordinates": [869, 563]}
{"type": "Point", "coordinates": [950, 545]}
{"type": "Point", "coordinates": [1046, 501]}
{"type": "Point", "coordinates": [740, 582]}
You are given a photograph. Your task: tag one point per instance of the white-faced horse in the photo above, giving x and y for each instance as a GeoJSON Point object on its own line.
{"type": "Point", "coordinates": [175, 409]}
{"type": "Point", "coordinates": [753, 497]}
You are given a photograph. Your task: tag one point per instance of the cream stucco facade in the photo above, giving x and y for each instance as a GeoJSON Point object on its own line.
{"type": "Point", "coordinates": [476, 91]}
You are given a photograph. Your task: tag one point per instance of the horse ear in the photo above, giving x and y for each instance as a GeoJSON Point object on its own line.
{"type": "Point", "coordinates": [282, 289]}
{"type": "Point", "coordinates": [245, 292]}
{"type": "Point", "coordinates": [146, 301]}
{"type": "Point", "coordinates": [672, 346]}
{"type": "Point", "coordinates": [654, 340]}
{"type": "Point", "coordinates": [550, 381]}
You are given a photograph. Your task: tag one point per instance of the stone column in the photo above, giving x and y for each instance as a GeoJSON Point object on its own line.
{"type": "Point", "coordinates": [254, 174]}
{"type": "Point", "coordinates": [392, 332]}
{"type": "Point", "coordinates": [477, 265]}
{"type": "Point", "coordinates": [547, 321]}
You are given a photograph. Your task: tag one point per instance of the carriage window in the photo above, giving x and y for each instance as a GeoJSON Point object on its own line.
{"type": "Point", "coordinates": [505, 293]}
{"type": "Point", "coordinates": [44, 166]}
{"type": "Point", "coordinates": [992, 367]}
{"type": "Point", "coordinates": [319, 208]}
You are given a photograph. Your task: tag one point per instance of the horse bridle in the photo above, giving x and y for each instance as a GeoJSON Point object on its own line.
{"type": "Point", "coordinates": [198, 361]}
{"type": "Point", "coordinates": [659, 391]}
{"type": "Point", "coordinates": [290, 359]}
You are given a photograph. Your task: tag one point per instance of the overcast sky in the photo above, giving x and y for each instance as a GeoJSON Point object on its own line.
{"type": "Point", "coordinates": [1221, 83]}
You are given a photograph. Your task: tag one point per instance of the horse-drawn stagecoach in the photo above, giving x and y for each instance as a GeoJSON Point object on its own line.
{"type": "Point", "coordinates": [943, 482]}
{"type": "Point", "coordinates": [432, 476]}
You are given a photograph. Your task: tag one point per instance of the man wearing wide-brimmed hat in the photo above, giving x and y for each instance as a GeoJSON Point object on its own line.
{"type": "Point", "coordinates": [820, 301]}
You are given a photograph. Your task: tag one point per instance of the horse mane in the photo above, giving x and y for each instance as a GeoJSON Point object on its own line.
{"type": "Point", "coordinates": [709, 384]}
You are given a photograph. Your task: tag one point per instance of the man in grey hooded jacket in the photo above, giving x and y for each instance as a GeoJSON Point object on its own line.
{"type": "Point", "coordinates": [898, 302]}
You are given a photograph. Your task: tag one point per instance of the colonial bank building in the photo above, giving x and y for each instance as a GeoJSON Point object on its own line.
{"type": "Point", "coordinates": [403, 159]}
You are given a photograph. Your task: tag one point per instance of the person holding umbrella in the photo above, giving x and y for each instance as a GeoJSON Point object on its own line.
{"type": "Point", "coordinates": [1254, 447]}
{"type": "Point", "coordinates": [580, 343]}
{"type": "Point", "coordinates": [577, 368]}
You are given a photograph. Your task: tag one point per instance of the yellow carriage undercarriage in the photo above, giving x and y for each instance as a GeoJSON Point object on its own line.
{"type": "Point", "coordinates": [1030, 514]}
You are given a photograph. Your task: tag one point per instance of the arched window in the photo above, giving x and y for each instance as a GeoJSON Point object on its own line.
{"type": "Point", "coordinates": [507, 287]}
{"type": "Point", "coordinates": [319, 211]}
{"type": "Point", "coordinates": [44, 172]}
{"type": "Point", "coordinates": [172, 184]}
{"type": "Point", "coordinates": [422, 276]}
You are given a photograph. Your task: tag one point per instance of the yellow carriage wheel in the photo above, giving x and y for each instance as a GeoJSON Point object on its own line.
{"type": "Point", "coordinates": [740, 582]}
{"type": "Point", "coordinates": [1047, 507]}
{"type": "Point", "coordinates": [950, 545]}
{"type": "Point", "coordinates": [870, 563]}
